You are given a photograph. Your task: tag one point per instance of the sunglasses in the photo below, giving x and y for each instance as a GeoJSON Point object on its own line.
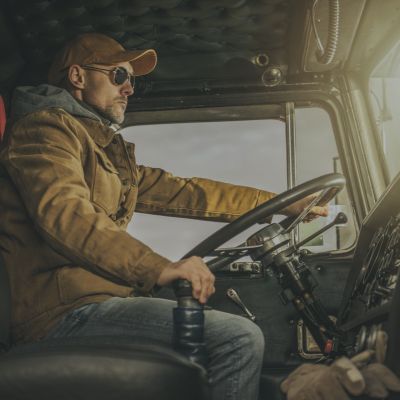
{"type": "Point", "coordinates": [118, 75]}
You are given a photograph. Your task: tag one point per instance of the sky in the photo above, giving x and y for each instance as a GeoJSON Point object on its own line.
{"type": "Point", "coordinates": [250, 153]}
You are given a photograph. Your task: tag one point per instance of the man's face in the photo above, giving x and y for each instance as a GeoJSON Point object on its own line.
{"type": "Point", "coordinates": [103, 95]}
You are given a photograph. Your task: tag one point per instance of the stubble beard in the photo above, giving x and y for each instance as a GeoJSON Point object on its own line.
{"type": "Point", "coordinates": [114, 116]}
{"type": "Point", "coordinates": [111, 114]}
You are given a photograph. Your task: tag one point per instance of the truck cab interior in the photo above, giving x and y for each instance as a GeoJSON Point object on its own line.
{"type": "Point", "coordinates": [294, 96]}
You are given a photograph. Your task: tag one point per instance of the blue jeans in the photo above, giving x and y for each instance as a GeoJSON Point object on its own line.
{"type": "Point", "coordinates": [235, 346]}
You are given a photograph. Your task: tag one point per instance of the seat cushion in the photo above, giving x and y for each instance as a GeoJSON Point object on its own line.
{"type": "Point", "coordinates": [99, 368]}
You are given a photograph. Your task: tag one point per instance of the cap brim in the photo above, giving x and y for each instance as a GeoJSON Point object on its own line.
{"type": "Point", "coordinates": [142, 61]}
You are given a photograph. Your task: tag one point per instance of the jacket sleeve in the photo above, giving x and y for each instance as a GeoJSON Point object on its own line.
{"type": "Point", "coordinates": [162, 193]}
{"type": "Point", "coordinates": [44, 160]}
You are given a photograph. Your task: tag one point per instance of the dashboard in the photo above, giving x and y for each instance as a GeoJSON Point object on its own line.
{"type": "Point", "coordinates": [371, 298]}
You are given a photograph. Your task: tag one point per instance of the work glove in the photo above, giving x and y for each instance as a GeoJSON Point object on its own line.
{"type": "Point", "coordinates": [344, 377]}
{"type": "Point", "coordinates": [379, 380]}
{"type": "Point", "coordinates": [322, 382]}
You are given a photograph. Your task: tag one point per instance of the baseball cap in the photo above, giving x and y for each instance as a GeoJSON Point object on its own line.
{"type": "Point", "coordinates": [96, 48]}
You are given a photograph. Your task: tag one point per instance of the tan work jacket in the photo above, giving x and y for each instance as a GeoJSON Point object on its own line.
{"type": "Point", "coordinates": [69, 187]}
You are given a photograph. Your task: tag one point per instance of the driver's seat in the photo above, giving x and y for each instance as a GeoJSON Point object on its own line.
{"type": "Point", "coordinates": [100, 368]}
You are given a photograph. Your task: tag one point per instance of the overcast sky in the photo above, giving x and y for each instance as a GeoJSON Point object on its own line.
{"type": "Point", "coordinates": [250, 153]}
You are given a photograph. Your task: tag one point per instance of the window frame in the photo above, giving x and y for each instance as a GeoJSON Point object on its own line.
{"type": "Point", "coordinates": [234, 107]}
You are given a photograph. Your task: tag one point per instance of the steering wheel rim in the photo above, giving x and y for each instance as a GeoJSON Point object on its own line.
{"type": "Point", "coordinates": [333, 181]}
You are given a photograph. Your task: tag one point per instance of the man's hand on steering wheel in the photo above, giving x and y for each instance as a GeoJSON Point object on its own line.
{"type": "Point", "coordinates": [194, 270]}
{"type": "Point", "coordinates": [297, 208]}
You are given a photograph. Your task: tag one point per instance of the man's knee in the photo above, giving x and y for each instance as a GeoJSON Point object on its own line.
{"type": "Point", "coordinates": [250, 337]}
{"type": "Point", "coordinates": [238, 333]}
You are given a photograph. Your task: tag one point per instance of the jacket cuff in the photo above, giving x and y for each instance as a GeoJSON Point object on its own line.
{"type": "Point", "coordinates": [151, 266]}
{"type": "Point", "coordinates": [264, 196]}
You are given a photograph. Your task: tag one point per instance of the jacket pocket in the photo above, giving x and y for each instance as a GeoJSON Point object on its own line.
{"type": "Point", "coordinates": [106, 189]}
{"type": "Point", "coordinates": [75, 283]}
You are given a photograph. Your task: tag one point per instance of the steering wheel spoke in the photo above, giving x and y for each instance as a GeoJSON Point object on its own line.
{"type": "Point", "coordinates": [306, 211]}
{"type": "Point", "coordinates": [239, 251]}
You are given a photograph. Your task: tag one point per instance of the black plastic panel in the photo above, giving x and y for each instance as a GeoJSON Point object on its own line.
{"type": "Point", "coordinates": [277, 321]}
{"type": "Point", "coordinates": [199, 38]}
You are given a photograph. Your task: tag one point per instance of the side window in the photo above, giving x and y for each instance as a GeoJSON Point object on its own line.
{"type": "Point", "coordinates": [316, 154]}
{"type": "Point", "coordinates": [384, 86]}
{"type": "Point", "coordinates": [250, 153]}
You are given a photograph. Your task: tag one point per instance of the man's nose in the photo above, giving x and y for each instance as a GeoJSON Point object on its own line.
{"type": "Point", "coordinates": [127, 89]}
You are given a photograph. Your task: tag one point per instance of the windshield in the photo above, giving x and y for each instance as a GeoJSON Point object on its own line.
{"type": "Point", "coordinates": [384, 85]}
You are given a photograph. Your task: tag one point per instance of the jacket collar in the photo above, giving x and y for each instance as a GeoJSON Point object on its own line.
{"type": "Point", "coordinates": [102, 130]}
{"type": "Point", "coordinates": [101, 134]}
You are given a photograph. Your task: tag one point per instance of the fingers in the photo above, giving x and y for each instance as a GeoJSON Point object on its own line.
{"type": "Point", "coordinates": [207, 288]}
{"type": "Point", "coordinates": [197, 272]}
{"type": "Point", "coordinates": [381, 346]}
{"type": "Point", "coordinates": [320, 382]}
{"type": "Point", "coordinates": [314, 382]}
{"type": "Point", "coordinates": [349, 375]}
{"type": "Point", "coordinates": [362, 358]}
{"type": "Point", "coordinates": [320, 211]}
{"type": "Point", "coordinates": [298, 207]}
{"type": "Point", "coordinates": [379, 380]}
{"type": "Point", "coordinates": [196, 286]}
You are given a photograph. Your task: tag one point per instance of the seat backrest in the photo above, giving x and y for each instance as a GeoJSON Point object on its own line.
{"type": "Point", "coordinates": [2, 117]}
{"type": "Point", "coordinates": [5, 307]}
{"type": "Point", "coordinates": [5, 299]}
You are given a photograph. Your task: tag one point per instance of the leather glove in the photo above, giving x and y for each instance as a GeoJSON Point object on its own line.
{"type": "Point", "coordinates": [321, 382]}
{"type": "Point", "coordinates": [378, 378]}
{"type": "Point", "coordinates": [343, 378]}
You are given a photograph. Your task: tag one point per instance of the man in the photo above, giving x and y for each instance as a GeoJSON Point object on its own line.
{"type": "Point", "coordinates": [69, 188]}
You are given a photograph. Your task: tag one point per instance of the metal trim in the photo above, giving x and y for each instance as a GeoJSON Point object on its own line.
{"type": "Point", "coordinates": [325, 96]}
{"type": "Point", "coordinates": [290, 144]}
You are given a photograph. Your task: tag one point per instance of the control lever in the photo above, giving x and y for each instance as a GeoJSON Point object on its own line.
{"type": "Point", "coordinates": [340, 218]}
{"type": "Point", "coordinates": [298, 284]}
{"type": "Point", "coordinates": [234, 296]}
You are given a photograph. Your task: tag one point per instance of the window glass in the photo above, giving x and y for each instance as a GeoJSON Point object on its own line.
{"type": "Point", "coordinates": [316, 155]}
{"type": "Point", "coordinates": [250, 153]}
{"type": "Point", "coordinates": [384, 85]}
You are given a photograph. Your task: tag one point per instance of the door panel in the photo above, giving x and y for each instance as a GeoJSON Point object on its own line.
{"type": "Point", "coordinates": [278, 321]}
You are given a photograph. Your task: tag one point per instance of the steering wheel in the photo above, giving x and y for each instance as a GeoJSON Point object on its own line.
{"type": "Point", "coordinates": [329, 185]}
{"type": "Point", "coordinates": [189, 316]}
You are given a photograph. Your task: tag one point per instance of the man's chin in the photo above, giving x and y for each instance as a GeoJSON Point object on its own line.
{"type": "Point", "coordinates": [118, 116]}
{"type": "Point", "coordinates": [117, 119]}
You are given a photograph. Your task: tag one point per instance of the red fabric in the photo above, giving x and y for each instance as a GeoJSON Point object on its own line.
{"type": "Point", "coordinates": [2, 118]}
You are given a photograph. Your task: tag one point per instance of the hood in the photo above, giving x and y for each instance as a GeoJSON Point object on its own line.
{"type": "Point", "coordinates": [27, 99]}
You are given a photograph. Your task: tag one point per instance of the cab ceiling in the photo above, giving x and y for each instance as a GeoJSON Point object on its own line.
{"type": "Point", "coordinates": [199, 42]}
{"type": "Point", "coordinates": [197, 38]}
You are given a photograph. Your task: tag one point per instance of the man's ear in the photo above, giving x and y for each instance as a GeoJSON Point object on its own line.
{"type": "Point", "coordinates": [76, 76]}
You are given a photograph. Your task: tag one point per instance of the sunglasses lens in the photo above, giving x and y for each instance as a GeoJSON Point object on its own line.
{"type": "Point", "coordinates": [121, 76]}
